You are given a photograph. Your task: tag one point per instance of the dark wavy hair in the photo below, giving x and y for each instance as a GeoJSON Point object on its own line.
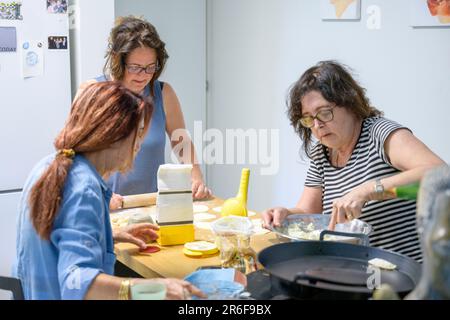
{"type": "Point", "coordinates": [334, 81]}
{"type": "Point", "coordinates": [128, 34]}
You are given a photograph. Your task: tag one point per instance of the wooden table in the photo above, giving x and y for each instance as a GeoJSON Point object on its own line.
{"type": "Point", "coordinates": [170, 262]}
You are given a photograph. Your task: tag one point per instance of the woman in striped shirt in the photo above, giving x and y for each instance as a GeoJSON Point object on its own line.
{"type": "Point", "coordinates": [358, 154]}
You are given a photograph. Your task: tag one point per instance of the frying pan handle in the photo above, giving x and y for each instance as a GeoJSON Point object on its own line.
{"type": "Point", "coordinates": [314, 279]}
{"type": "Point", "coordinates": [341, 277]}
{"type": "Point", "coordinates": [307, 277]}
{"type": "Point", "coordinates": [363, 238]}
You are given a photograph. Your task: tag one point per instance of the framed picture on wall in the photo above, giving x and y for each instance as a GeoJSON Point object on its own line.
{"type": "Point", "coordinates": [430, 13]}
{"type": "Point", "coordinates": [340, 9]}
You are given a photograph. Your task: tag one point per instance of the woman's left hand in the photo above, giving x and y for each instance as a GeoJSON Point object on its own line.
{"type": "Point", "coordinates": [349, 207]}
{"type": "Point", "coordinates": [200, 190]}
{"type": "Point", "coordinates": [138, 234]}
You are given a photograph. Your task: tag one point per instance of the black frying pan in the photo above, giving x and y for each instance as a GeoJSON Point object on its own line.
{"type": "Point", "coordinates": [326, 269]}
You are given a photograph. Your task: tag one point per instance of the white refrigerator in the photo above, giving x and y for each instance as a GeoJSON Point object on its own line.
{"type": "Point", "coordinates": [35, 98]}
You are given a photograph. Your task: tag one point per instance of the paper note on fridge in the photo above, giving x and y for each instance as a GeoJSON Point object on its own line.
{"type": "Point", "coordinates": [32, 58]}
{"type": "Point", "coordinates": [8, 39]}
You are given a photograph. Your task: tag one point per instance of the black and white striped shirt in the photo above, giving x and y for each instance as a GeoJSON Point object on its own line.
{"type": "Point", "coordinates": [393, 221]}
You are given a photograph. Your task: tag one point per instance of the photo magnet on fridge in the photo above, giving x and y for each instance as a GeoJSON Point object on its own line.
{"type": "Point", "coordinates": [57, 42]}
{"type": "Point", "coordinates": [32, 52]}
{"type": "Point", "coordinates": [57, 6]}
{"type": "Point", "coordinates": [8, 39]}
{"type": "Point", "coordinates": [10, 10]}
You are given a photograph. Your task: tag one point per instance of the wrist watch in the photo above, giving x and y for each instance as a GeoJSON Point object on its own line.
{"type": "Point", "coordinates": [378, 187]}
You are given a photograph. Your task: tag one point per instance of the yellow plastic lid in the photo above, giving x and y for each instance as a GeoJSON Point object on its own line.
{"type": "Point", "coordinates": [190, 253]}
{"type": "Point", "coordinates": [197, 254]}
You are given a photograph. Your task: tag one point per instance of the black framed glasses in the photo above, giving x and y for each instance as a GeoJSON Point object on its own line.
{"type": "Point", "coordinates": [137, 69]}
{"type": "Point", "coordinates": [324, 115]}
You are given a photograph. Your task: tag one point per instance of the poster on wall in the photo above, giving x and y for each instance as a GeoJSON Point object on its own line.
{"type": "Point", "coordinates": [32, 58]}
{"type": "Point", "coordinates": [10, 10]}
{"type": "Point", "coordinates": [57, 6]}
{"type": "Point", "coordinates": [8, 39]}
{"type": "Point", "coordinates": [430, 13]}
{"type": "Point", "coordinates": [57, 42]}
{"type": "Point", "coordinates": [340, 9]}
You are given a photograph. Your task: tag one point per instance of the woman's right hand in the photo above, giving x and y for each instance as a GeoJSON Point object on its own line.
{"type": "Point", "coordinates": [179, 289]}
{"type": "Point", "coordinates": [274, 216]}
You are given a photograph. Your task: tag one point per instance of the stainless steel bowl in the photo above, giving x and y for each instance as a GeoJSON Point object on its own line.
{"type": "Point", "coordinates": [300, 227]}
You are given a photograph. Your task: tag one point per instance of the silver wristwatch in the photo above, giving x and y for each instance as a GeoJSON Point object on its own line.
{"type": "Point", "coordinates": [379, 188]}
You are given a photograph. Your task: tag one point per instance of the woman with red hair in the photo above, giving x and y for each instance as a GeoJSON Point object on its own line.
{"type": "Point", "coordinates": [65, 244]}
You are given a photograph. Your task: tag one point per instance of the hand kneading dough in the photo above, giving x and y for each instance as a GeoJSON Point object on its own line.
{"type": "Point", "coordinates": [382, 264]}
{"type": "Point", "coordinates": [198, 208]}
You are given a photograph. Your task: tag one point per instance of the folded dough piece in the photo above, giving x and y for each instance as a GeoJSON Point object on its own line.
{"type": "Point", "coordinates": [382, 264]}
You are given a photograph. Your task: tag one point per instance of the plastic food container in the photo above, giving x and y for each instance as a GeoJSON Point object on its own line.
{"type": "Point", "coordinates": [233, 239]}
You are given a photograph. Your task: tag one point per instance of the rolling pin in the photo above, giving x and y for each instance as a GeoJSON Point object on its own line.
{"type": "Point", "coordinates": [139, 200]}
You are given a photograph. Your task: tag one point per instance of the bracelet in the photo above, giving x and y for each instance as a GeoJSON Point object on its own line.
{"type": "Point", "coordinates": [124, 290]}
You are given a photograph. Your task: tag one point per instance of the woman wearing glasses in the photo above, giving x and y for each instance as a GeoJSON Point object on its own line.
{"type": "Point", "coordinates": [357, 155]}
{"type": "Point", "coordinates": [136, 56]}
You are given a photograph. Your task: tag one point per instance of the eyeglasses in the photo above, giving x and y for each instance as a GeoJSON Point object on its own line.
{"type": "Point", "coordinates": [324, 115]}
{"type": "Point", "coordinates": [137, 69]}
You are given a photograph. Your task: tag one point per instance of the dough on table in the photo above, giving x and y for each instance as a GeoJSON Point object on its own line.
{"type": "Point", "coordinates": [217, 209]}
{"type": "Point", "coordinates": [200, 208]}
{"type": "Point", "coordinates": [202, 225]}
{"type": "Point", "coordinates": [258, 228]}
{"type": "Point", "coordinates": [382, 264]}
{"type": "Point", "coordinates": [202, 216]}
{"type": "Point", "coordinates": [251, 213]}
{"type": "Point", "coordinates": [118, 221]}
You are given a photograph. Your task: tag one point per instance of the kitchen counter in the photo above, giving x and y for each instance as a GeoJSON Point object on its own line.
{"type": "Point", "coordinates": [170, 262]}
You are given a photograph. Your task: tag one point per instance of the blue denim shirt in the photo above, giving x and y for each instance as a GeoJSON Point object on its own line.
{"type": "Point", "coordinates": [81, 243]}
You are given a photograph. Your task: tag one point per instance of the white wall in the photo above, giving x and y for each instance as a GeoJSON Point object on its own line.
{"type": "Point", "coordinates": [90, 24]}
{"type": "Point", "coordinates": [181, 24]}
{"type": "Point", "coordinates": [258, 48]}
{"type": "Point", "coordinates": [8, 216]}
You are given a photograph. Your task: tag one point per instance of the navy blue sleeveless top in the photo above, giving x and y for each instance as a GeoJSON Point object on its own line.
{"type": "Point", "coordinates": [143, 177]}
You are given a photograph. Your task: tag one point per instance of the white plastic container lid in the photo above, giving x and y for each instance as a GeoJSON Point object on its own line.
{"type": "Point", "coordinates": [232, 225]}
